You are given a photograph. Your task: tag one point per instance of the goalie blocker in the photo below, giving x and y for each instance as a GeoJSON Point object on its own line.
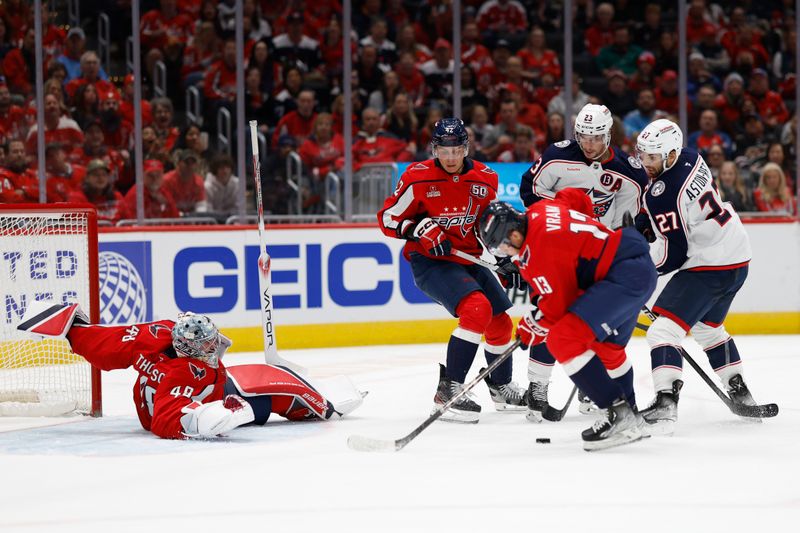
{"type": "Point", "coordinates": [184, 390]}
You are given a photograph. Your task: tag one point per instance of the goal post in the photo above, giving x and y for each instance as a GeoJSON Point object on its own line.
{"type": "Point", "coordinates": [47, 252]}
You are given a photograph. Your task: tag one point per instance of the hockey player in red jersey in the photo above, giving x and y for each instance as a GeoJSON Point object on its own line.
{"type": "Point", "coordinates": [589, 283]}
{"type": "Point", "coordinates": [435, 207]}
{"type": "Point", "coordinates": [184, 390]}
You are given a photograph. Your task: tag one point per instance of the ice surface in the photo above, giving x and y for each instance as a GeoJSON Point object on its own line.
{"type": "Point", "coordinates": [718, 473]}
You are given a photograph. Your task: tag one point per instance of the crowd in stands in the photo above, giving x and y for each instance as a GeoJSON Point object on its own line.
{"type": "Point", "coordinates": [741, 85]}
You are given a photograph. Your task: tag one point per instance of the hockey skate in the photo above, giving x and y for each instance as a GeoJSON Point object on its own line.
{"type": "Point", "coordinates": [536, 400]}
{"type": "Point", "coordinates": [585, 405]}
{"type": "Point", "coordinates": [506, 397]}
{"type": "Point", "coordinates": [465, 410]}
{"type": "Point", "coordinates": [619, 425]}
{"type": "Point", "coordinates": [662, 414]}
{"type": "Point", "coordinates": [738, 391]}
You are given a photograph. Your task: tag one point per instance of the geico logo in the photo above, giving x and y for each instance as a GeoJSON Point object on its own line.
{"type": "Point", "coordinates": [213, 279]}
{"type": "Point", "coordinates": [459, 220]}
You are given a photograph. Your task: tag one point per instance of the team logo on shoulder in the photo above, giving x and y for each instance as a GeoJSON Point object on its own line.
{"type": "Point", "coordinates": [479, 191]}
{"type": "Point", "coordinates": [562, 144]}
{"type": "Point", "coordinates": [634, 162]}
{"type": "Point", "coordinates": [155, 328]}
{"type": "Point", "coordinates": [197, 372]}
{"type": "Point", "coordinates": [487, 170]}
{"type": "Point", "coordinates": [433, 192]}
{"type": "Point", "coordinates": [419, 166]}
{"type": "Point", "coordinates": [658, 188]}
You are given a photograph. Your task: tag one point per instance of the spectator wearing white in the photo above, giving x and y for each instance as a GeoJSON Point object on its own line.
{"type": "Point", "coordinates": [221, 186]}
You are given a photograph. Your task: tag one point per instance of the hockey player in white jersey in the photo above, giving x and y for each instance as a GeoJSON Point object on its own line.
{"type": "Point", "coordinates": [613, 180]}
{"type": "Point", "coordinates": [701, 237]}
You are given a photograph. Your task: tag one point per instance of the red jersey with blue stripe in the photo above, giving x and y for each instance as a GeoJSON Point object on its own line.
{"type": "Point", "coordinates": [454, 201]}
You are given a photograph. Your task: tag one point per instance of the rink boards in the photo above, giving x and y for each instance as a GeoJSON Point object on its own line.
{"type": "Point", "coordinates": [349, 285]}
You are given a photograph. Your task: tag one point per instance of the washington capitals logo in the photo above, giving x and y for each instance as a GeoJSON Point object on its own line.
{"type": "Point", "coordinates": [197, 372]}
{"type": "Point", "coordinates": [464, 217]}
{"type": "Point", "coordinates": [155, 328]}
{"type": "Point", "coordinates": [601, 201]}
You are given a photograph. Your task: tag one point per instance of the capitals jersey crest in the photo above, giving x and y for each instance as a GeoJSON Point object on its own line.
{"type": "Point", "coordinates": [197, 372]}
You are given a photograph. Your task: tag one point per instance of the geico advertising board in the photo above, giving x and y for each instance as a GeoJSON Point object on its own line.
{"type": "Point", "coordinates": [320, 275]}
{"type": "Point", "coordinates": [326, 275]}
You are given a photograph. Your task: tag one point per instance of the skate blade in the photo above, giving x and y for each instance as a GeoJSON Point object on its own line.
{"type": "Point", "coordinates": [457, 417]}
{"type": "Point", "coordinates": [662, 428]}
{"type": "Point", "coordinates": [534, 416]}
{"type": "Point", "coordinates": [622, 438]}
{"type": "Point", "coordinates": [506, 408]}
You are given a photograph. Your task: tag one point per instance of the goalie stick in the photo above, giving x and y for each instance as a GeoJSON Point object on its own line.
{"type": "Point", "coordinates": [271, 356]}
{"type": "Point", "coordinates": [367, 444]}
{"type": "Point", "coordinates": [767, 410]}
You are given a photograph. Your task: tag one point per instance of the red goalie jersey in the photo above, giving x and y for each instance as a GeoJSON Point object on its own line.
{"type": "Point", "coordinates": [454, 202]}
{"type": "Point", "coordinates": [565, 251]}
{"type": "Point", "coordinates": [166, 383]}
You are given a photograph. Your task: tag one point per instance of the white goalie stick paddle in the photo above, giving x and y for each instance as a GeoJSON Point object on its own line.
{"type": "Point", "coordinates": [367, 444]}
{"type": "Point", "coordinates": [271, 356]}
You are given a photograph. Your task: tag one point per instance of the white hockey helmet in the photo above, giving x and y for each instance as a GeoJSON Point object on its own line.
{"type": "Point", "coordinates": [594, 119]}
{"type": "Point", "coordinates": [661, 136]}
{"type": "Point", "coordinates": [197, 337]}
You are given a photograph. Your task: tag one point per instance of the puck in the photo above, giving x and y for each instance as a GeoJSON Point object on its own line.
{"type": "Point", "coordinates": [543, 441]}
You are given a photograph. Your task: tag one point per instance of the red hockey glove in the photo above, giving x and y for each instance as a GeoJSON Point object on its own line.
{"type": "Point", "coordinates": [530, 332]}
{"type": "Point", "coordinates": [430, 235]}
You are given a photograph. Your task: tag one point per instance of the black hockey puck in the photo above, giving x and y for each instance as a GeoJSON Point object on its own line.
{"type": "Point", "coordinates": [544, 440]}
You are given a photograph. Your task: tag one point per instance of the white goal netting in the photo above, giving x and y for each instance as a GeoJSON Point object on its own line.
{"type": "Point", "coordinates": [43, 256]}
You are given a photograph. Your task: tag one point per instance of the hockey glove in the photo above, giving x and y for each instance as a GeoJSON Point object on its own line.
{"type": "Point", "coordinates": [207, 420]}
{"type": "Point", "coordinates": [627, 219]}
{"type": "Point", "coordinates": [508, 272]}
{"type": "Point", "coordinates": [643, 226]}
{"type": "Point", "coordinates": [530, 332]}
{"type": "Point", "coordinates": [430, 235]}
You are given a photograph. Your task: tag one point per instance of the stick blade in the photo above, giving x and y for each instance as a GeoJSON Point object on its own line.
{"type": "Point", "coordinates": [366, 444]}
{"type": "Point", "coordinates": [755, 411]}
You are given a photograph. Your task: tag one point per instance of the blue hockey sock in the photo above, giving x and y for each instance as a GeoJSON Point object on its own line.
{"type": "Point", "coordinates": [723, 355]}
{"type": "Point", "coordinates": [666, 356]}
{"type": "Point", "coordinates": [541, 354]}
{"type": "Point", "coordinates": [625, 382]}
{"type": "Point", "coordinates": [502, 374]}
{"type": "Point", "coordinates": [593, 379]}
{"type": "Point", "coordinates": [460, 355]}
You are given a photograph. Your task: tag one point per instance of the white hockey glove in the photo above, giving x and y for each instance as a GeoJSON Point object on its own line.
{"type": "Point", "coordinates": [530, 331]}
{"type": "Point", "coordinates": [206, 420]}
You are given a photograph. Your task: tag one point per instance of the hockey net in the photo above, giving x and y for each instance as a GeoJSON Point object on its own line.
{"type": "Point", "coordinates": [47, 252]}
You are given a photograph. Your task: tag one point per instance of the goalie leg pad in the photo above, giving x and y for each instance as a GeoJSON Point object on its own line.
{"type": "Point", "coordinates": [277, 382]}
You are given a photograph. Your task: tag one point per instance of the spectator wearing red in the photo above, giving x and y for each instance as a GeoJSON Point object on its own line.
{"type": "Point", "coordinates": [12, 117]}
{"type": "Point", "coordinates": [323, 150]}
{"type": "Point", "coordinates": [696, 23]}
{"type": "Point", "coordinates": [297, 123]}
{"type": "Point", "coordinates": [667, 93]}
{"type": "Point", "coordinates": [770, 105]}
{"type": "Point", "coordinates": [708, 135]}
{"type": "Point", "coordinates": [644, 77]}
{"type": "Point", "coordinates": [63, 178]}
{"type": "Point", "coordinates": [199, 54]}
{"type": "Point", "coordinates": [160, 25]}
{"type": "Point", "coordinates": [331, 49]}
{"type": "Point", "coordinates": [185, 185]}
{"type": "Point", "coordinates": [547, 90]}
{"type": "Point", "coordinates": [537, 58]}
{"type": "Point", "coordinates": [772, 195]}
{"type": "Point", "coordinates": [503, 19]}
{"type": "Point", "coordinates": [57, 127]}
{"type": "Point", "coordinates": [337, 110]}
{"type": "Point", "coordinates": [158, 202]}
{"type": "Point", "coordinates": [374, 145]}
{"type": "Point", "coordinates": [19, 66]}
{"type": "Point", "coordinates": [18, 182]}
{"type": "Point", "coordinates": [601, 32]}
{"type": "Point", "coordinates": [163, 114]}
{"type": "Point", "coordinates": [516, 78]}
{"type": "Point", "coordinates": [18, 17]}
{"type": "Point", "coordinates": [729, 102]}
{"type": "Point", "coordinates": [94, 147]}
{"type": "Point", "coordinates": [529, 113]}
{"type": "Point", "coordinates": [407, 42]}
{"type": "Point", "coordinates": [411, 79]}
{"type": "Point", "coordinates": [97, 189]}
{"type": "Point", "coordinates": [295, 48]}
{"type": "Point", "coordinates": [501, 138]}
{"type": "Point", "coordinates": [53, 37]}
{"type": "Point", "coordinates": [90, 74]}
{"type": "Point", "coordinates": [118, 132]}
{"type": "Point", "coordinates": [746, 50]}
{"type": "Point", "coordinates": [523, 150]}
{"type": "Point", "coordinates": [126, 105]}
{"type": "Point", "coordinates": [219, 84]}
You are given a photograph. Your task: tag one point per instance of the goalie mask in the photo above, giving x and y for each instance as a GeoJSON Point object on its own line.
{"type": "Point", "coordinates": [197, 337]}
{"type": "Point", "coordinates": [497, 223]}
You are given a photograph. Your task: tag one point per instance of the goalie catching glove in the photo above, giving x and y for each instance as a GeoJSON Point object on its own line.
{"type": "Point", "coordinates": [429, 235]}
{"type": "Point", "coordinates": [205, 420]}
{"type": "Point", "coordinates": [530, 331]}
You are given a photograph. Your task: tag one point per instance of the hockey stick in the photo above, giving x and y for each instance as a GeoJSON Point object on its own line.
{"type": "Point", "coordinates": [476, 260]}
{"type": "Point", "coordinates": [555, 415]}
{"type": "Point", "coordinates": [767, 410]}
{"type": "Point", "coordinates": [367, 444]}
{"type": "Point", "coordinates": [271, 356]}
